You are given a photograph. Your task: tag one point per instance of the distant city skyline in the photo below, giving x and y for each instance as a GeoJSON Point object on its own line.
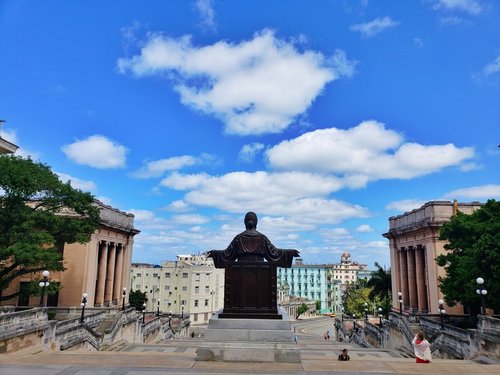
{"type": "Point", "coordinates": [325, 118]}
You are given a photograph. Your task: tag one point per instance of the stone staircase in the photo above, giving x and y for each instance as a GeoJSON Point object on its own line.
{"type": "Point", "coordinates": [106, 324]}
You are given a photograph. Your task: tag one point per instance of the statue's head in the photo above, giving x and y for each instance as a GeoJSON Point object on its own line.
{"type": "Point", "coordinates": [250, 220]}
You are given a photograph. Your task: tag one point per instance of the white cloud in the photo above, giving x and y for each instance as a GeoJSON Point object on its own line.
{"type": "Point", "coordinates": [483, 192]}
{"type": "Point", "coordinates": [365, 152]}
{"type": "Point", "coordinates": [157, 168]}
{"type": "Point", "coordinates": [77, 183]}
{"type": "Point", "coordinates": [454, 21]}
{"type": "Point", "coordinates": [207, 14]}
{"type": "Point", "coordinates": [472, 7]}
{"type": "Point", "coordinates": [342, 65]}
{"type": "Point", "coordinates": [178, 206]}
{"type": "Point", "coordinates": [418, 42]}
{"type": "Point", "coordinates": [255, 87]}
{"type": "Point", "coordinates": [303, 195]}
{"type": "Point", "coordinates": [374, 27]}
{"type": "Point", "coordinates": [405, 205]}
{"type": "Point", "coordinates": [96, 151]}
{"type": "Point", "coordinates": [364, 228]}
{"type": "Point", "coordinates": [249, 151]}
{"type": "Point", "coordinates": [492, 68]}
{"type": "Point", "coordinates": [190, 219]}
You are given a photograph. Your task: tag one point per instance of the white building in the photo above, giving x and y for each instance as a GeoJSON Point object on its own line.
{"type": "Point", "coordinates": [347, 271]}
{"type": "Point", "coordinates": [189, 285]}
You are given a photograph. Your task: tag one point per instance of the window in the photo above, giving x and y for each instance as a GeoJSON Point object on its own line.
{"type": "Point", "coordinates": [167, 287]}
{"type": "Point", "coordinates": [207, 277]}
{"type": "Point", "coordinates": [167, 275]}
{"type": "Point", "coordinates": [195, 317]}
{"type": "Point", "coordinates": [155, 275]}
{"type": "Point", "coordinates": [195, 303]}
{"type": "Point", "coordinates": [197, 289]}
{"type": "Point", "coordinates": [197, 277]}
{"type": "Point", "coordinates": [138, 287]}
{"type": "Point", "coordinates": [183, 302]}
{"type": "Point", "coordinates": [184, 288]}
{"type": "Point", "coordinates": [184, 275]}
{"type": "Point", "coordinates": [138, 274]}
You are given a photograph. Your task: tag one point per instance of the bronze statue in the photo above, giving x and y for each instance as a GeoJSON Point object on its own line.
{"type": "Point", "coordinates": [252, 246]}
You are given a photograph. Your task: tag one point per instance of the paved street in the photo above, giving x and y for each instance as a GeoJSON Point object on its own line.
{"type": "Point", "coordinates": [177, 357]}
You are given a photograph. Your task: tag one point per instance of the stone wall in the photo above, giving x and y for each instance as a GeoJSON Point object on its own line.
{"type": "Point", "coordinates": [100, 330]}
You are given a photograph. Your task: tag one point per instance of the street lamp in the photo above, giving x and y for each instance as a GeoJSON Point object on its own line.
{"type": "Point", "coordinates": [380, 316]}
{"type": "Point", "coordinates": [158, 308]}
{"type": "Point", "coordinates": [354, 322]}
{"type": "Point", "coordinates": [124, 294]}
{"type": "Point", "coordinates": [441, 313]}
{"type": "Point", "coordinates": [43, 284]}
{"type": "Point", "coordinates": [366, 310]}
{"type": "Point", "coordinates": [400, 299]}
{"type": "Point", "coordinates": [144, 313]}
{"type": "Point", "coordinates": [482, 292]}
{"type": "Point", "coordinates": [182, 312]}
{"type": "Point", "coordinates": [83, 304]}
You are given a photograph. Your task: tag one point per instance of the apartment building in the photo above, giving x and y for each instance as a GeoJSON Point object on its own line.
{"type": "Point", "coordinates": [189, 285]}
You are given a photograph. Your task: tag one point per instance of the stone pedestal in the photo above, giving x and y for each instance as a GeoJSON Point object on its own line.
{"type": "Point", "coordinates": [249, 340]}
{"type": "Point", "coordinates": [250, 291]}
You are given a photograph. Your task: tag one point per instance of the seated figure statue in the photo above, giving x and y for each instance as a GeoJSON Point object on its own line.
{"type": "Point", "coordinates": [252, 246]}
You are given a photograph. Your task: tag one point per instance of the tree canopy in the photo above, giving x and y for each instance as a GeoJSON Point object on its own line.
{"type": "Point", "coordinates": [38, 215]}
{"type": "Point", "coordinates": [473, 251]}
{"type": "Point", "coordinates": [380, 283]}
{"type": "Point", "coordinates": [137, 299]}
{"type": "Point", "coordinates": [301, 310]}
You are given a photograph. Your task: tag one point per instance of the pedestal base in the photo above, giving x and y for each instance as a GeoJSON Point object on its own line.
{"type": "Point", "coordinates": [250, 340]}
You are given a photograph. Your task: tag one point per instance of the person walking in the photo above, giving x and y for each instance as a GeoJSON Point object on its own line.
{"type": "Point", "coordinates": [422, 348]}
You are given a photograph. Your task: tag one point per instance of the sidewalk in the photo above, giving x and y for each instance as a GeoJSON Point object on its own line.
{"type": "Point", "coordinates": [178, 357]}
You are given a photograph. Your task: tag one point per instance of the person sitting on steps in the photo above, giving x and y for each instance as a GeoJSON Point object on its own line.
{"type": "Point", "coordinates": [343, 356]}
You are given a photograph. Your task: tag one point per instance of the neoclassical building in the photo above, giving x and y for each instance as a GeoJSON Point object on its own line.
{"type": "Point", "coordinates": [6, 147]}
{"type": "Point", "coordinates": [100, 268]}
{"type": "Point", "coordinates": [414, 245]}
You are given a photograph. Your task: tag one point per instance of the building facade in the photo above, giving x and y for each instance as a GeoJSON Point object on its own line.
{"type": "Point", "coordinates": [414, 245]}
{"type": "Point", "coordinates": [6, 147]}
{"type": "Point", "coordinates": [191, 284]}
{"type": "Point", "coordinates": [99, 268]}
{"type": "Point", "coordinates": [347, 271]}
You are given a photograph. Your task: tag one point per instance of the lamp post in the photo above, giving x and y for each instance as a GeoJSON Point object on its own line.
{"type": "Point", "coordinates": [354, 322]}
{"type": "Point", "coordinates": [158, 308]}
{"type": "Point", "coordinates": [83, 304]}
{"type": "Point", "coordinates": [482, 292]}
{"type": "Point", "coordinates": [144, 313]}
{"type": "Point", "coordinates": [441, 313]}
{"type": "Point", "coordinates": [400, 299]}
{"type": "Point", "coordinates": [182, 312]}
{"type": "Point", "coordinates": [44, 284]}
{"type": "Point", "coordinates": [380, 316]}
{"type": "Point", "coordinates": [124, 294]}
{"type": "Point", "coordinates": [366, 310]}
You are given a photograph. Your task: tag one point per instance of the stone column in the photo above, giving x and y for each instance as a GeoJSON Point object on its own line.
{"type": "Point", "coordinates": [117, 292]}
{"type": "Point", "coordinates": [421, 277]}
{"type": "Point", "coordinates": [101, 273]}
{"type": "Point", "coordinates": [412, 281]}
{"type": "Point", "coordinates": [404, 275]}
{"type": "Point", "coordinates": [110, 275]}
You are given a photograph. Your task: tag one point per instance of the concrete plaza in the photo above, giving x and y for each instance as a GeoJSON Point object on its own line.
{"type": "Point", "coordinates": [178, 357]}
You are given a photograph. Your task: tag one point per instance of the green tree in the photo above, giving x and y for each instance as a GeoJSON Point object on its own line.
{"type": "Point", "coordinates": [318, 305]}
{"type": "Point", "coordinates": [380, 283]}
{"type": "Point", "coordinates": [355, 298]}
{"type": "Point", "coordinates": [38, 215]}
{"type": "Point", "coordinates": [301, 310]}
{"type": "Point", "coordinates": [137, 299]}
{"type": "Point", "coordinates": [473, 251]}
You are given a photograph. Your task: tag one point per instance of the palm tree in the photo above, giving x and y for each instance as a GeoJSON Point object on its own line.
{"type": "Point", "coordinates": [380, 283]}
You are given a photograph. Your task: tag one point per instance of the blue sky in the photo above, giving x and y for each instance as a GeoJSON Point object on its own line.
{"type": "Point", "coordinates": [323, 117]}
